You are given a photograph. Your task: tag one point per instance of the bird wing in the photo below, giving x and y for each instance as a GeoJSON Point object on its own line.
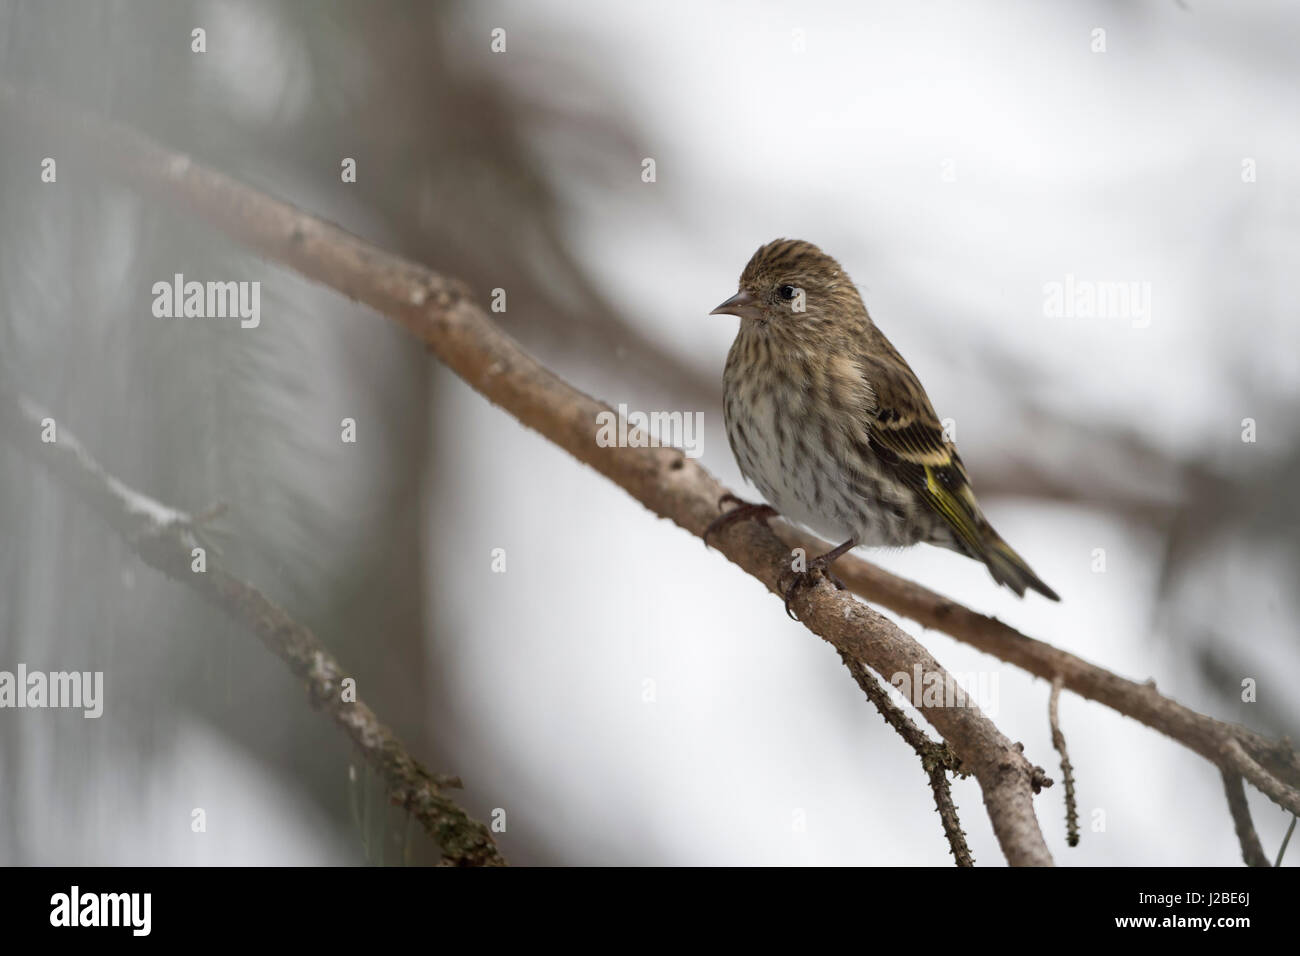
{"type": "Point", "coordinates": [908, 438]}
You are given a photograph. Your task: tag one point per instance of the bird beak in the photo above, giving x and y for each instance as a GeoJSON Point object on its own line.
{"type": "Point", "coordinates": [741, 304]}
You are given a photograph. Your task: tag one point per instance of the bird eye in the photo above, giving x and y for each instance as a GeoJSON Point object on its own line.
{"type": "Point", "coordinates": [787, 292]}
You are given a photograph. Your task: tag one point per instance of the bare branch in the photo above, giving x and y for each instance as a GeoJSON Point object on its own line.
{"type": "Point", "coordinates": [1241, 762]}
{"type": "Point", "coordinates": [937, 759]}
{"type": "Point", "coordinates": [165, 538]}
{"type": "Point", "coordinates": [1251, 850]}
{"type": "Point", "coordinates": [1067, 772]}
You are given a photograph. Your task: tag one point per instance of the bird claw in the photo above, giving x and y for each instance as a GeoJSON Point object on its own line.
{"type": "Point", "coordinates": [744, 511]}
{"type": "Point", "coordinates": [808, 578]}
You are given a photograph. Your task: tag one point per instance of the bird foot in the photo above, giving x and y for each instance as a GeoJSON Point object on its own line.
{"type": "Point", "coordinates": [820, 565]}
{"type": "Point", "coordinates": [744, 511]}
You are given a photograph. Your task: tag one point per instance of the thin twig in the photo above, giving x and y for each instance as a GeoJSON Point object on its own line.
{"type": "Point", "coordinates": [1067, 771]}
{"type": "Point", "coordinates": [1251, 849]}
{"type": "Point", "coordinates": [1281, 851]}
{"type": "Point", "coordinates": [1241, 762]}
{"type": "Point", "coordinates": [937, 758]}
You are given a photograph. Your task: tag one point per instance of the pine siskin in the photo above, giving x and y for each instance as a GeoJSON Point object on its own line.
{"type": "Point", "coordinates": [834, 428]}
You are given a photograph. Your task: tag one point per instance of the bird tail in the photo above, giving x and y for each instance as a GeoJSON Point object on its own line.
{"type": "Point", "coordinates": [969, 532]}
{"type": "Point", "coordinates": [1009, 568]}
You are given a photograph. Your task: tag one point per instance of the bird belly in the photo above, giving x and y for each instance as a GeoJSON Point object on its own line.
{"type": "Point", "coordinates": [810, 475]}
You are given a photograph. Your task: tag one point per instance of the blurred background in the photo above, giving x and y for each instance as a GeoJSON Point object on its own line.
{"type": "Point", "coordinates": [624, 695]}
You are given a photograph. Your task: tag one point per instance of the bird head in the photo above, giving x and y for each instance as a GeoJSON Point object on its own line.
{"type": "Point", "coordinates": [790, 284]}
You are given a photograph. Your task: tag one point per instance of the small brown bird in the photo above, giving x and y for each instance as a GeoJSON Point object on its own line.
{"type": "Point", "coordinates": [834, 428]}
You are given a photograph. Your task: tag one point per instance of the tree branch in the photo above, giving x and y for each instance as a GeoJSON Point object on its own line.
{"type": "Point", "coordinates": [937, 759]}
{"type": "Point", "coordinates": [1251, 849]}
{"type": "Point", "coordinates": [164, 538]}
{"type": "Point", "coordinates": [1067, 771]}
